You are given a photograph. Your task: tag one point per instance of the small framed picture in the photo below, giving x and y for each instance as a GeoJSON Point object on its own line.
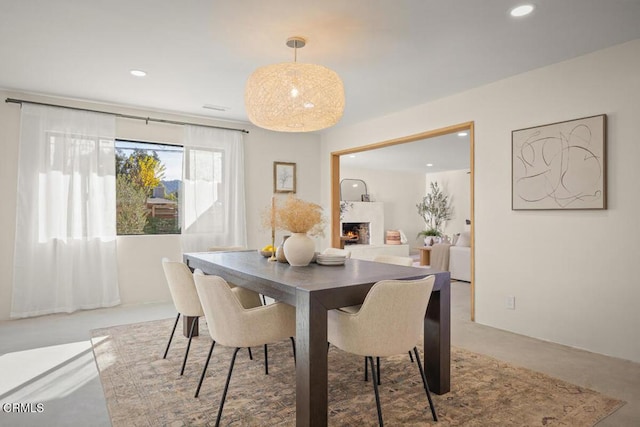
{"type": "Point", "coordinates": [284, 177]}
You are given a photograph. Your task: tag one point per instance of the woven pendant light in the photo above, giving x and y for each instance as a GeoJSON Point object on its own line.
{"type": "Point", "coordinates": [294, 97]}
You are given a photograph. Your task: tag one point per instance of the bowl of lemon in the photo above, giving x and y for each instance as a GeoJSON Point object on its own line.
{"type": "Point", "coordinates": [267, 251]}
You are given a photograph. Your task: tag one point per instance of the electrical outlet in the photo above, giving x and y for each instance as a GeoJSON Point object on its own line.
{"type": "Point", "coordinates": [510, 303]}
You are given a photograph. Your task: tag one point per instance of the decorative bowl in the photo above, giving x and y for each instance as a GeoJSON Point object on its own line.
{"type": "Point", "coordinates": [266, 254]}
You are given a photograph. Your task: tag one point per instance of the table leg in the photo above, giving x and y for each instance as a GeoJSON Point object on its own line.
{"type": "Point", "coordinates": [186, 325]}
{"type": "Point", "coordinates": [437, 337]}
{"type": "Point", "coordinates": [311, 361]}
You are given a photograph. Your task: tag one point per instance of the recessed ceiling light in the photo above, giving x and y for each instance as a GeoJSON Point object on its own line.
{"type": "Point", "coordinates": [429, 164]}
{"type": "Point", "coordinates": [352, 156]}
{"type": "Point", "coordinates": [522, 10]}
{"type": "Point", "coordinates": [138, 73]}
{"type": "Point", "coordinates": [462, 134]}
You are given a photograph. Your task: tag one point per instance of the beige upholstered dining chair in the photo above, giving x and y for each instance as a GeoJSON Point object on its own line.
{"type": "Point", "coordinates": [248, 300]}
{"type": "Point", "coordinates": [386, 259]}
{"type": "Point", "coordinates": [185, 299]}
{"type": "Point", "coordinates": [388, 323]}
{"type": "Point", "coordinates": [232, 325]}
{"type": "Point", "coordinates": [187, 303]}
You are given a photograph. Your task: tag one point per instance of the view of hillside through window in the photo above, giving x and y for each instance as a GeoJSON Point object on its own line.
{"type": "Point", "coordinates": [148, 186]}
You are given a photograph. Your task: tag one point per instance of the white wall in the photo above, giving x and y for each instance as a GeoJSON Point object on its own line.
{"type": "Point", "coordinates": [140, 276]}
{"type": "Point", "coordinates": [457, 185]}
{"type": "Point", "coordinates": [400, 191]}
{"type": "Point", "coordinates": [573, 273]}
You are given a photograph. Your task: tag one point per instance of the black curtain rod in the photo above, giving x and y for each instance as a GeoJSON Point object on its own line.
{"type": "Point", "coordinates": [125, 116]}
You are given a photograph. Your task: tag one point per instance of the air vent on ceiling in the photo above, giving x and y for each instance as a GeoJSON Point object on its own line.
{"type": "Point", "coordinates": [215, 107]}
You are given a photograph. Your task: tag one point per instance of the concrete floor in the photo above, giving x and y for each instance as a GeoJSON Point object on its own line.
{"type": "Point", "coordinates": [48, 360]}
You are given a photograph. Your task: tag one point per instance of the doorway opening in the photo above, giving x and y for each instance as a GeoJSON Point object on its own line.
{"type": "Point", "coordinates": [336, 229]}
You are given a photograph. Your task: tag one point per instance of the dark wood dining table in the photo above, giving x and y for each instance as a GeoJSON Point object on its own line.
{"type": "Point", "coordinates": [314, 290]}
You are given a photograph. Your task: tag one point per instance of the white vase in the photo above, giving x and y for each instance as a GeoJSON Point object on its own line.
{"type": "Point", "coordinates": [299, 249]}
{"type": "Point", "coordinates": [429, 240]}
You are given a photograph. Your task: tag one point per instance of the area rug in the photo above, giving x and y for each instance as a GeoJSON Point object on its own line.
{"type": "Point", "coordinates": [142, 389]}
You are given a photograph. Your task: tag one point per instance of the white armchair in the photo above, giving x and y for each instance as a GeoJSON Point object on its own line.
{"type": "Point", "coordinates": [460, 258]}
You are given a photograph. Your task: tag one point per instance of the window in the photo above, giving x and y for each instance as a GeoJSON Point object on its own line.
{"type": "Point", "coordinates": [148, 187]}
{"type": "Point", "coordinates": [204, 190]}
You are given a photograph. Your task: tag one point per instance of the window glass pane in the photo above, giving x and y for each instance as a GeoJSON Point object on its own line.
{"type": "Point", "coordinates": [203, 188]}
{"type": "Point", "coordinates": [148, 187]}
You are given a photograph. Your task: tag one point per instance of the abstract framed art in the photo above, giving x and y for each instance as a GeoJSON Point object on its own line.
{"type": "Point", "coordinates": [560, 166]}
{"type": "Point", "coordinates": [284, 177]}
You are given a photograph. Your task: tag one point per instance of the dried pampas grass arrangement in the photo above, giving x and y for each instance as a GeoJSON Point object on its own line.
{"type": "Point", "coordinates": [299, 216]}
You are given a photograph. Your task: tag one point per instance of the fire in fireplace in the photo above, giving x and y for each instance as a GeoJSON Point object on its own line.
{"type": "Point", "coordinates": [357, 232]}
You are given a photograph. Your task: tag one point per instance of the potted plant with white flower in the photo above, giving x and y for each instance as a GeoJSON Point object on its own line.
{"type": "Point", "coordinates": [435, 209]}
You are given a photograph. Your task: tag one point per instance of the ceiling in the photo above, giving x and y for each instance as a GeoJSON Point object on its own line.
{"type": "Point", "coordinates": [391, 55]}
{"type": "Point", "coordinates": [442, 153]}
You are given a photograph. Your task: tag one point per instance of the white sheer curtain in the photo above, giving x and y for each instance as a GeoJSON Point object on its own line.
{"type": "Point", "coordinates": [213, 205]}
{"type": "Point", "coordinates": [65, 250]}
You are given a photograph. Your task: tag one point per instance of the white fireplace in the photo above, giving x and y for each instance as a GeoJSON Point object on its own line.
{"type": "Point", "coordinates": [362, 218]}
{"type": "Point", "coordinates": [368, 218]}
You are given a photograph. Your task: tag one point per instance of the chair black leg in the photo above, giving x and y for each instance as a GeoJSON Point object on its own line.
{"type": "Point", "coordinates": [293, 345]}
{"type": "Point", "coordinates": [250, 354]}
{"type": "Point", "coordinates": [226, 387]}
{"type": "Point", "coordinates": [366, 370]}
{"type": "Point", "coordinates": [204, 370]}
{"type": "Point", "coordinates": [266, 361]}
{"type": "Point", "coordinates": [411, 357]}
{"type": "Point", "coordinates": [173, 331]}
{"type": "Point", "coordinates": [374, 380]}
{"type": "Point", "coordinates": [426, 385]}
{"type": "Point", "coordinates": [186, 353]}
